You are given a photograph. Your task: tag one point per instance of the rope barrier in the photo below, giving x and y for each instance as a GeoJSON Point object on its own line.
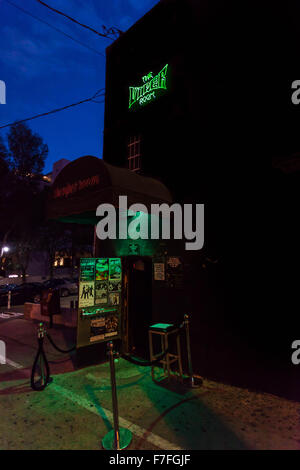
{"type": "Point", "coordinates": [41, 364]}
{"type": "Point", "coordinates": [138, 362]}
{"type": "Point", "coordinates": [59, 349]}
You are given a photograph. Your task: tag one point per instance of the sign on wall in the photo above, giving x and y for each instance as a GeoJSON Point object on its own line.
{"type": "Point", "coordinates": [159, 271]}
{"type": "Point", "coordinates": [150, 88]}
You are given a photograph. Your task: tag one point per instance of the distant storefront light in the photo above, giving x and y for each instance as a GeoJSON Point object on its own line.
{"type": "Point", "coordinates": [148, 91]}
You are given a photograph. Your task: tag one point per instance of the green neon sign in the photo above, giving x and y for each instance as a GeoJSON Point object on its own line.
{"type": "Point", "coordinates": [147, 92]}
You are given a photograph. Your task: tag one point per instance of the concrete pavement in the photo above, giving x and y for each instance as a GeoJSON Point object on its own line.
{"type": "Point", "coordinates": [75, 410]}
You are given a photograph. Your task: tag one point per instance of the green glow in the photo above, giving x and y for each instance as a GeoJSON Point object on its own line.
{"type": "Point", "coordinates": [146, 92]}
{"type": "Point", "coordinates": [98, 311]}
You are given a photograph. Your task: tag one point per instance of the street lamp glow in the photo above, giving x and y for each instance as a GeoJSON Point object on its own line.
{"type": "Point", "coordinates": [4, 249]}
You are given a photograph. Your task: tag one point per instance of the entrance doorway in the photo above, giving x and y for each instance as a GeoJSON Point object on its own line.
{"type": "Point", "coordinates": [139, 304]}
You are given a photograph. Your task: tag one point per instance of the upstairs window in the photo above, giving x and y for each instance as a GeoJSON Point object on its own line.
{"type": "Point", "coordinates": [134, 153]}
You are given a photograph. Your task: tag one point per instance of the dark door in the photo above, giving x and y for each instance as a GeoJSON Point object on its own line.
{"type": "Point", "coordinates": [139, 304]}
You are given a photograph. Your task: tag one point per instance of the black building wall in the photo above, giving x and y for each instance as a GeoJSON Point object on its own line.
{"type": "Point", "coordinates": [199, 42]}
{"type": "Point", "coordinates": [198, 138]}
{"type": "Point", "coordinates": [194, 136]}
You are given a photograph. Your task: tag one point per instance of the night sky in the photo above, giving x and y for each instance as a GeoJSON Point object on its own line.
{"type": "Point", "coordinates": [44, 70]}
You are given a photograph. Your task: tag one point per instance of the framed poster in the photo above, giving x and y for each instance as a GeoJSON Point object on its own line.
{"type": "Point", "coordinates": [174, 272]}
{"type": "Point", "coordinates": [115, 269]}
{"type": "Point", "coordinates": [97, 329]}
{"type": "Point", "coordinates": [114, 286]}
{"type": "Point", "coordinates": [87, 269]}
{"type": "Point", "coordinates": [102, 269]}
{"type": "Point", "coordinates": [101, 292]}
{"type": "Point", "coordinates": [86, 294]}
{"type": "Point", "coordinates": [114, 298]}
{"type": "Point", "coordinates": [111, 325]}
{"type": "Point", "coordinates": [159, 271]}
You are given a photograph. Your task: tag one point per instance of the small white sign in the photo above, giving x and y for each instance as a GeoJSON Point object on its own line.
{"type": "Point", "coordinates": [159, 271]}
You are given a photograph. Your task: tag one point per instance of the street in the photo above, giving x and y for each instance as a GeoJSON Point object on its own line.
{"type": "Point", "coordinates": [75, 410]}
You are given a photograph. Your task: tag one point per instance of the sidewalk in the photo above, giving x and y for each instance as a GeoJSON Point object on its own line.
{"type": "Point", "coordinates": [75, 411]}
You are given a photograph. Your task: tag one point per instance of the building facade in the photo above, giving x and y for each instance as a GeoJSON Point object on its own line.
{"type": "Point", "coordinates": [178, 105]}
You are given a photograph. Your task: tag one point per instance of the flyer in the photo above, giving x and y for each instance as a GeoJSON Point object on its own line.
{"type": "Point", "coordinates": [101, 269]}
{"type": "Point", "coordinates": [115, 269]}
{"type": "Point", "coordinates": [111, 325]}
{"type": "Point", "coordinates": [86, 294]}
{"type": "Point", "coordinates": [87, 269]}
{"type": "Point", "coordinates": [97, 329]}
{"type": "Point", "coordinates": [114, 298]}
{"type": "Point", "coordinates": [101, 292]}
{"type": "Point", "coordinates": [114, 286]}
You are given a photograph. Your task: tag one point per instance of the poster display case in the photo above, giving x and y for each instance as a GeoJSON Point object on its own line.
{"type": "Point", "coordinates": [99, 300]}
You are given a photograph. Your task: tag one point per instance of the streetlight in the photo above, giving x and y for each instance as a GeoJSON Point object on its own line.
{"type": "Point", "coordinates": [4, 249]}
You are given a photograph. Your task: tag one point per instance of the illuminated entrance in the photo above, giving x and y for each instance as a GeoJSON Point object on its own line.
{"type": "Point", "coordinates": [116, 285]}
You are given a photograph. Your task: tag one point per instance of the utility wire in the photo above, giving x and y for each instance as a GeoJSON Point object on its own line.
{"type": "Point", "coordinates": [110, 33]}
{"type": "Point", "coordinates": [97, 94]}
{"type": "Point", "coordinates": [53, 27]}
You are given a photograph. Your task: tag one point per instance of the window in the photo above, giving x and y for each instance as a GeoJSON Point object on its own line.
{"type": "Point", "coordinates": [134, 153]}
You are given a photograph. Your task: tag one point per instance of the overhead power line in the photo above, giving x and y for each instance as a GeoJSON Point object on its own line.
{"type": "Point", "coordinates": [92, 99]}
{"type": "Point", "coordinates": [53, 27]}
{"type": "Point", "coordinates": [109, 33]}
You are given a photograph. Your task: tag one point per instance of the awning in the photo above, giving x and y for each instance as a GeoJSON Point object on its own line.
{"type": "Point", "coordinates": [87, 182]}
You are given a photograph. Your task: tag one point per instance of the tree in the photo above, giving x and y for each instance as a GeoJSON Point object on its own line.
{"type": "Point", "coordinates": [3, 161]}
{"type": "Point", "coordinates": [22, 196]}
{"type": "Point", "coordinates": [27, 152]}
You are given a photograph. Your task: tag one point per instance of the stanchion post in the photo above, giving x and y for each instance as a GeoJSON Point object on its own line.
{"type": "Point", "coordinates": [114, 395]}
{"type": "Point", "coordinates": [118, 438]}
{"type": "Point", "coordinates": [193, 382]}
{"type": "Point", "coordinates": [9, 300]}
{"type": "Point", "coordinates": [41, 335]}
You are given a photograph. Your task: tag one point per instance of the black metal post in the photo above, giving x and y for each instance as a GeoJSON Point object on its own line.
{"type": "Point", "coordinates": [193, 382]}
{"type": "Point", "coordinates": [117, 439]}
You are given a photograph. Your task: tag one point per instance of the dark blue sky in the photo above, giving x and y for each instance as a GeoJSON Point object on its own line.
{"type": "Point", "coordinates": [43, 69]}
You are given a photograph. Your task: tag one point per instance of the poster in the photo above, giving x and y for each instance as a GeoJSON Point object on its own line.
{"type": "Point", "coordinates": [111, 325]}
{"type": "Point", "coordinates": [101, 269]}
{"type": "Point", "coordinates": [104, 327]}
{"type": "Point", "coordinates": [114, 286]}
{"type": "Point", "coordinates": [86, 294]}
{"type": "Point", "coordinates": [115, 269]}
{"type": "Point", "coordinates": [159, 271]}
{"type": "Point", "coordinates": [101, 292]}
{"type": "Point", "coordinates": [97, 329]}
{"type": "Point", "coordinates": [87, 269]}
{"type": "Point", "coordinates": [114, 298]}
{"type": "Point", "coordinates": [174, 272]}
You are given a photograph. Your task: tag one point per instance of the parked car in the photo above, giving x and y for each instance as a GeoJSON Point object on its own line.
{"type": "Point", "coordinates": [6, 287]}
{"type": "Point", "coordinates": [65, 286]}
{"type": "Point", "coordinates": [26, 292]}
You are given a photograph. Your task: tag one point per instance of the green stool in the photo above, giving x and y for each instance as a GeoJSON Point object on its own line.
{"type": "Point", "coordinates": [165, 330]}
